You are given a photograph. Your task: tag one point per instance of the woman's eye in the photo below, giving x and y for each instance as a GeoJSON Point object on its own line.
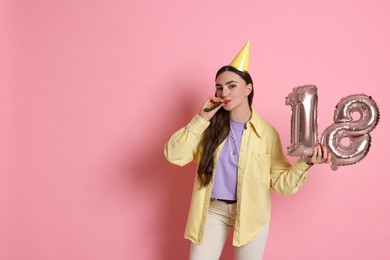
{"type": "Point", "coordinates": [219, 88]}
{"type": "Point", "coordinates": [232, 86]}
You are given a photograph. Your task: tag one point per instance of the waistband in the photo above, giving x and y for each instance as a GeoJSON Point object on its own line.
{"type": "Point", "coordinates": [225, 201]}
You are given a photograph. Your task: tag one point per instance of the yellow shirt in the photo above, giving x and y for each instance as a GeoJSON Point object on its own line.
{"type": "Point", "coordinates": [262, 165]}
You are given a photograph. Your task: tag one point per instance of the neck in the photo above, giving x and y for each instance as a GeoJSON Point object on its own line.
{"type": "Point", "coordinates": [241, 115]}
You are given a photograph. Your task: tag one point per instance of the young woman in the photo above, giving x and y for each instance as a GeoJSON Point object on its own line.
{"type": "Point", "coordinates": [239, 158]}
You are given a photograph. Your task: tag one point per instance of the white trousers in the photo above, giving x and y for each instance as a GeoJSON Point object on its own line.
{"type": "Point", "coordinates": [220, 220]}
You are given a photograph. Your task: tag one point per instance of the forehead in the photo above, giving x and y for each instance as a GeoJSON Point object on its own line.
{"type": "Point", "coordinates": [227, 76]}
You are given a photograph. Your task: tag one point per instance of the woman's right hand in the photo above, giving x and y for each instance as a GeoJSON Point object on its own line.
{"type": "Point", "coordinates": [210, 102]}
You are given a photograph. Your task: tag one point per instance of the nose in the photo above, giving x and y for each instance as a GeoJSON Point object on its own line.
{"type": "Point", "coordinates": [225, 92]}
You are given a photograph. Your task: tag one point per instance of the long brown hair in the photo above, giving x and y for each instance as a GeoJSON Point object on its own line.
{"type": "Point", "coordinates": [217, 131]}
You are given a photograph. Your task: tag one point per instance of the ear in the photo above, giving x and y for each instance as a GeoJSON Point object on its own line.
{"type": "Point", "coordinates": [249, 88]}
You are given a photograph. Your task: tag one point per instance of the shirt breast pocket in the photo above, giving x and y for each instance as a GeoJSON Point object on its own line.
{"type": "Point", "coordinates": [259, 168]}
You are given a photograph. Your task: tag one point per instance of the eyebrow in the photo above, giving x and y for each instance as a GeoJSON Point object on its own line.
{"type": "Point", "coordinates": [227, 83]}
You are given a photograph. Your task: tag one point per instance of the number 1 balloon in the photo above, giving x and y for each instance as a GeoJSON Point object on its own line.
{"type": "Point", "coordinates": [303, 101]}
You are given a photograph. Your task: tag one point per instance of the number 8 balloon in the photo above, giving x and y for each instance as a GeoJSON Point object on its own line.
{"type": "Point", "coordinates": [353, 132]}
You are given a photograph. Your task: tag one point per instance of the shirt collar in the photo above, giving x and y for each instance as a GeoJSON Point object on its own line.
{"type": "Point", "coordinates": [256, 122]}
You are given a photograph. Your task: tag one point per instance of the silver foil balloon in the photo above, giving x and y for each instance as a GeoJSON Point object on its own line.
{"type": "Point", "coordinates": [348, 139]}
{"type": "Point", "coordinates": [303, 101]}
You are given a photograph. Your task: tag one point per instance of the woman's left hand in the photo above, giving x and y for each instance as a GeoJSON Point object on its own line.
{"type": "Point", "coordinates": [320, 155]}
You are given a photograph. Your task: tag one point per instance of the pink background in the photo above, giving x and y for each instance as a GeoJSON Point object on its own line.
{"type": "Point", "coordinates": [91, 91]}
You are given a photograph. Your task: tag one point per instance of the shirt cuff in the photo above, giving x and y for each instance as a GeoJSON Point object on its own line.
{"type": "Point", "coordinates": [302, 166]}
{"type": "Point", "coordinates": [197, 125]}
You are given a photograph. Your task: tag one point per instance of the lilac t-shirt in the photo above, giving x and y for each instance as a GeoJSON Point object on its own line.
{"type": "Point", "coordinates": [225, 180]}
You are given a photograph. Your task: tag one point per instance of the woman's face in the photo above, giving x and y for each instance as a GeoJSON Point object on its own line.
{"type": "Point", "coordinates": [231, 87]}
